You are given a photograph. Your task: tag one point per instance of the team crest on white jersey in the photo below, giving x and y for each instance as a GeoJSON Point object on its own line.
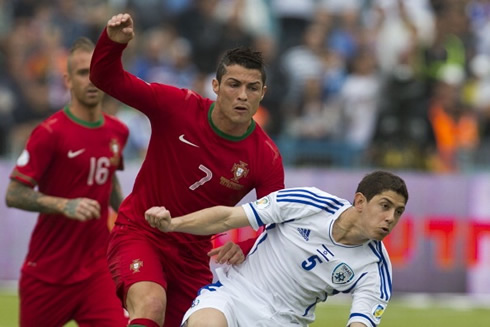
{"type": "Point", "coordinates": [342, 274]}
{"type": "Point", "coordinates": [378, 311]}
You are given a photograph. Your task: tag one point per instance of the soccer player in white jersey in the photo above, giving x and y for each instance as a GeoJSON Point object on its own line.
{"type": "Point", "coordinates": [315, 245]}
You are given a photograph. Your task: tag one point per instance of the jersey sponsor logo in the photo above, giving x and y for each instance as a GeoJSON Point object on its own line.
{"type": "Point", "coordinates": [239, 170]}
{"type": "Point", "coordinates": [378, 311]}
{"type": "Point", "coordinates": [136, 265]}
{"type": "Point", "coordinates": [342, 274]}
{"type": "Point", "coordinates": [305, 232]}
{"type": "Point", "coordinates": [73, 154]}
{"type": "Point", "coordinates": [115, 148]}
{"type": "Point", "coordinates": [23, 158]}
{"type": "Point", "coordinates": [184, 140]}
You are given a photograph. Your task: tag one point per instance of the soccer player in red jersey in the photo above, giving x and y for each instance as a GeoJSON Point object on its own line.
{"type": "Point", "coordinates": [201, 153]}
{"type": "Point", "coordinates": [71, 157]}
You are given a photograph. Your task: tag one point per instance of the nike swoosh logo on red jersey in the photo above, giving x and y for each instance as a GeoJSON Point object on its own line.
{"type": "Point", "coordinates": [182, 139]}
{"type": "Point", "coordinates": [73, 154]}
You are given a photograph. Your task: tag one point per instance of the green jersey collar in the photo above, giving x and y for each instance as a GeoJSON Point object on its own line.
{"type": "Point", "coordinates": [226, 136]}
{"type": "Point", "coordinates": [88, 124]}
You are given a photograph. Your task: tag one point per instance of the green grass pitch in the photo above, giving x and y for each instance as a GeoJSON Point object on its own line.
{"type": "Point", "coordinates": [398, 314]}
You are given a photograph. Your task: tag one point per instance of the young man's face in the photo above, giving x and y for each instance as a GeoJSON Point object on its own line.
{"type": "Point", "coordinates": [78, 82]}
{"type": "Point", "coordinates": [238, 97]}
{"type": "Point", "coordinates": [381, 214]}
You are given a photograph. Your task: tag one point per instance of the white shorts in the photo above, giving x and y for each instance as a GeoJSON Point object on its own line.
{"type": "Point", "coordinates": [242, 306]}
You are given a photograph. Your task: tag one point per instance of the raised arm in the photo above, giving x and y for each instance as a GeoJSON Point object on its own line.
{"type": "Point", "coordinates": [203, 222]}
{"type": "Point", "coordinates": [106, 68]}
{"type": "Point", "coordinates": [24, 197]}
{"type": "Point", "coordinates": [120, 28]}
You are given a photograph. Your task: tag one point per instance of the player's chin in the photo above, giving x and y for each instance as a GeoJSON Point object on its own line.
{"type": "Point", "coordinates": [92, 101]}
{"type": "Point", "coordinates": [381, 234]}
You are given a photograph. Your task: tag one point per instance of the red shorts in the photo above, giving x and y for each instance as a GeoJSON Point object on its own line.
{"type": "Point", "coordinates": [92, 302]}
{"type": "Point", "coordinates": [135, 255]}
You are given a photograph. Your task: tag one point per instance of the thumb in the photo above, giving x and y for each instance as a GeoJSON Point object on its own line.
{"type": "Point", "coordinates": [213, 252]}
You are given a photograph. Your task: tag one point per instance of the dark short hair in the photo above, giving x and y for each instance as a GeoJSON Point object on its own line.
{"type": "Point", "coordinates": [380, 181]}
{"type": "Point", "coordinates": [244, 57]}
{"type": "Point", "coordinates": [82, 43]}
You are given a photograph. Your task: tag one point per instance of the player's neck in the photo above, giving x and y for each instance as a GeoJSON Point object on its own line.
{"type": "Point", "coordinates": [345, 230]}
{"type": "Point", "coordinates": [226, 126]}
{"type": "Point", "coordinates": [88, 114]}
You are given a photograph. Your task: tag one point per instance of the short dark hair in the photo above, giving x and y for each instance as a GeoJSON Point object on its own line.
{"type": "Point", "coordinates": [244, 57]}
{"type": "Point", "coordinates": [379, 181]}
{"type": "Point", "coordinates": [82, 43]}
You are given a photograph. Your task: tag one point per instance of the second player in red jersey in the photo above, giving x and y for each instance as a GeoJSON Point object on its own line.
{"type": "Point", "coordinates": [71, 158]}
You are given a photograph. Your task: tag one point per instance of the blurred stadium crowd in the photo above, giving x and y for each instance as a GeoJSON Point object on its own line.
{"type": "Point", "coordinates": [401, 84]}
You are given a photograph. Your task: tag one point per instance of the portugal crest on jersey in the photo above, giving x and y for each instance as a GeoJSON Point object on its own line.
{"type": "Point", "coordinates": [239, 170]}
{"type": "Point", "coordinates": [136, 265]}
{"type": "Point", "coordinates": [115, 148]}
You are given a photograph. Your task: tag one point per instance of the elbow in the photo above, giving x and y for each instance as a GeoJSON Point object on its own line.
{"type": "Point", "coordinates": [93, 79]}
{"type": "Point", "coordinates": [9, 201]}
{"type": "Point", "coordinates": [12, 195]}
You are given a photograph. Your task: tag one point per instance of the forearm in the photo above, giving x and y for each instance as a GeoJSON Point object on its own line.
{"type": "Point", "coordinates": [210, 221]}
{"type": "Point", "coordinates": [116, 194]}
{"type": "Point", "coordinates": [106, 65]}
{"type": "Point", "coordinates": [108, 74]}
{"type": "Point", "coordinates": [23, 197]}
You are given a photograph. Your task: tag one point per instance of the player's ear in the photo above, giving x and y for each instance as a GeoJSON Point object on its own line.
{"type": "Point", "coordinates": [264, 91]}
{"type": "Point", "coordinates": [359, 200]}
{"type": "Point", "coordinates": [215, 84]}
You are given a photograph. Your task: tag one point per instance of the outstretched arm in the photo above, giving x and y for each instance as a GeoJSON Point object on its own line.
{"type": "Point", "coordinates": [24, 197]}
{"type": "Point", "coordinates": [203, 222]}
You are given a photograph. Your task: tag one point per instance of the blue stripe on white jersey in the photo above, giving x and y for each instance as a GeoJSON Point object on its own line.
{"type": "Point", "coordinates": [307, 310]}
{"type": "Point", "coordinates": [353, 285]}
{"type": "Point", "coordinates": [384, 273]}
{"type": "Point", "coordinates": [309, 198]}
{"type": "Point", "coordinates": [261, 238]}
{"type": "Point", "coordinates": [257, 217]}
{"type": "Point", "coordinates": [210, 287]}
{"type": "Point", "coordinates": [364, 316]}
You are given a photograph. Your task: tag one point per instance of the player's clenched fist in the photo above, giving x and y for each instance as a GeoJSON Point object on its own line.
{"type": "Point", "coordinates": [120, 28]}
{"type": "Point", "coordinates": [159, 217]}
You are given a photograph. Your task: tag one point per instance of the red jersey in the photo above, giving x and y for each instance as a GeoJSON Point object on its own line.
{"type": "Point", "coordinates": [190, 164]}
{"type": "Point", "coordinates": [69, 158]}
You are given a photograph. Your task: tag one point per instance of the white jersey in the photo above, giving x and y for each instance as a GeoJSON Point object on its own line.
{"type": "Point", "coordinates": [297, 263]}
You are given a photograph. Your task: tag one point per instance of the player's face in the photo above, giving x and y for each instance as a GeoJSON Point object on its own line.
{"type": "Point", "coordinates": [238, 98]}
{"type": "Point", "coordinates": [381, 214]}
{"type": "Point", "coordinates": [78, 82]}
